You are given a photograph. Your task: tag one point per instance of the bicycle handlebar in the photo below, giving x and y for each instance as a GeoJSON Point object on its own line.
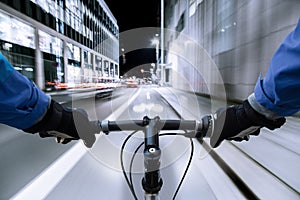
{"type": "Point", "coordinates": [200, 127]}
{"type": "Point", "coordinates": [152, 181]}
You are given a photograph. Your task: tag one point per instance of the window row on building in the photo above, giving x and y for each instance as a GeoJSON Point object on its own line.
{"type": "Point", "coordinates": [88, 22]}
{"type": "Point", "coordinates": [48, 55]}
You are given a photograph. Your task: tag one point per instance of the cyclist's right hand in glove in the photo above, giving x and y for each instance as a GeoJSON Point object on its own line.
{"type": "Point", "coordinates": [65, 124]}
{"type": "Point", "coordinates": [238, 123]}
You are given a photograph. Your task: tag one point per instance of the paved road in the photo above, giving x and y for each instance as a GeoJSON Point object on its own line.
{"type": "Point", "coordinates": [98, 175]}
{"type": "Point", "coordinates": [43, 169]}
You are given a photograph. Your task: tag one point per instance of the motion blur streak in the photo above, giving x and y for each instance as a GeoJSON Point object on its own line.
{"type": "Point", "coordinates": [49, 178]}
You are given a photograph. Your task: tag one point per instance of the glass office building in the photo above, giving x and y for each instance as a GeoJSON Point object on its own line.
{"type": "Point", "coordinates": [68, 41]}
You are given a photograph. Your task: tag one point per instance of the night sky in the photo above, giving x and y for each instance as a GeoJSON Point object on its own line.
{"type": "Point", "coordinates": [135, 13]}
{"type": "Point", "coordinates": [132, 14]}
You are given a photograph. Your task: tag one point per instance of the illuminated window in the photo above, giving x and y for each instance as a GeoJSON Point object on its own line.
{"type": "Point", "coordinates": [192, 9]}
{"type": "Point", "coordinates": [50, 44]}
{"type": "Point", "coordinates": [16, 31]}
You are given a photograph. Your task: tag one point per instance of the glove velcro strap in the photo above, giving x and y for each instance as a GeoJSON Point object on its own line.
{"type": "Point", "coordinates": [260, 120]}
{"type": "Point", "coordinates": [50, 121]}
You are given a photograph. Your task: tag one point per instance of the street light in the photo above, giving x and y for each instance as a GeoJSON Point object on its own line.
{"type": "Point", "coordinates": [162, 26]}
{"type": "Point", "coordinates": [151, 71]}
{"type": "Point", "coordinates": [155, 42]}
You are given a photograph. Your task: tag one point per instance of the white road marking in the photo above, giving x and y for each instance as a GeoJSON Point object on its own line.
{"type": "Point", "coordinates": [148, 95]}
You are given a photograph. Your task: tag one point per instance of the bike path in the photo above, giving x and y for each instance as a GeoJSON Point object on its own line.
{"type": "Point", "coordinates": [268, 164]}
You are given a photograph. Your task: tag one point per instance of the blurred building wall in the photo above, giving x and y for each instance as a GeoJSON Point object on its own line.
{"type": "Point", "coordinates": [240, 37]}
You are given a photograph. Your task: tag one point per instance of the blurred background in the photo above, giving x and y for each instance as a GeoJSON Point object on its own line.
{"type": "Point", "coordinates": [179, 59]}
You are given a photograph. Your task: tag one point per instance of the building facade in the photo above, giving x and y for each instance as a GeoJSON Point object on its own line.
{"type": "Point", "coordinates": [239, 36]}
{"type": "Point", "coordinates": [66, 41]}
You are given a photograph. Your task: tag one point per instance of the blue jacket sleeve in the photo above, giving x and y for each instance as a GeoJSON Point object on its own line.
{"type": "Point", "coordinates": [22, 103]}
{"type": "Point", "coordinates": [279, 91]}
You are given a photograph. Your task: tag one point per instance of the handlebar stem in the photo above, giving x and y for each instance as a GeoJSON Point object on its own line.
{"type": "Point", "coordinates": [152, 181]}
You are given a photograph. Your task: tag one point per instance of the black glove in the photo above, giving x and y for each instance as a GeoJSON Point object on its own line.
{"type": "Point", "coordinates": [65, 124]}
{"type": "Point", "coordinates": [238, 122]}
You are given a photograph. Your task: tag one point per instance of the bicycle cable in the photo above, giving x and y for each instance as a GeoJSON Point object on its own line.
{"type": "Point", "coordinates": [131, 163]}
{"type": "Point", "coordinates": [186, 169]}
{"type": "Point", "coordinates": [130, 182]}
{"type": "Point", "coordinates": [122, 165]}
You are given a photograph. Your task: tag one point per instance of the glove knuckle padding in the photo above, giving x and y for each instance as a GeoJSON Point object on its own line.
{"type": "Point", "coordinates": [84, 127]}
{"type": "Point", "coordinates": [230, 121]}
{"type": "Point", "coordinates": [72, 122]}
{"type": "Point", "coordinates": [219, 122]}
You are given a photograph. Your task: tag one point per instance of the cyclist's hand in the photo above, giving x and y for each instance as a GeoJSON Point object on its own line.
{"type": "Point", "coordinates": [238, 123]}
{"type": "Point", "coordinates": [65, 124]}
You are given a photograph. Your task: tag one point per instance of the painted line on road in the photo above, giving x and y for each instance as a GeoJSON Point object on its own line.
{"type": "Point", "coordinates": [148, 95]}
{"type": "Point", "coordinates": [44, 183]}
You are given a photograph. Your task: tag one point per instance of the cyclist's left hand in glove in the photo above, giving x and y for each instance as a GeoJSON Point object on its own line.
{"type": "Point", "coordinates": [65, 124]}
{"type": "Point", "coordinates": [239, 122]}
